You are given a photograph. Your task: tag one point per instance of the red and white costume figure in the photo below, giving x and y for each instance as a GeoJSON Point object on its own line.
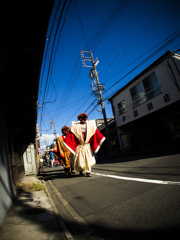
{"type": "Point", "coordinates": [83, 146]}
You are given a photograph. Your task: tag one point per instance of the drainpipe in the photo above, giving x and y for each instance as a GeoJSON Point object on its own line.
{"type": "Point", "coordinates": [175, 81]}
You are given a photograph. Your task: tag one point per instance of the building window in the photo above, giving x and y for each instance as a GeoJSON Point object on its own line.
{"type": "Point", "coordinates": [137, 95]}
{"type": "Point", "coordinates": [151, 86]}
{"type": "Point", "coordinates": [149, 106]}
{"type": "Point", "coordinates": [167, 97]}
{"type": "Point", "coordinates": [135, 113]}
{"type": "Point", "coordinates": [124, 118]}
{"type": "Point", "coordinates": [122, 107]}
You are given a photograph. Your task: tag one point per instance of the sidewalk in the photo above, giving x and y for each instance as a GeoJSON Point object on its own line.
{"type": "Point", "coordinates": [33, 216]}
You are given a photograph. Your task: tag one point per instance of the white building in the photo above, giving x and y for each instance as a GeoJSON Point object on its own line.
{"type": "Point", "coordinates": [100, 121]}
{"type": "Point", "coordinates": [147, 109]}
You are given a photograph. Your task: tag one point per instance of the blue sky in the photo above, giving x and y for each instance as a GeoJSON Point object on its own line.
{"type": "Point", "coordinates": [120, 43]}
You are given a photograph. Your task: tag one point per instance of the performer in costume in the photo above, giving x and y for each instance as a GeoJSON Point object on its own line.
{"type": "Point", "coordinates": [83, 139]}
{"type": "Point", "coordinates": [62, 151]}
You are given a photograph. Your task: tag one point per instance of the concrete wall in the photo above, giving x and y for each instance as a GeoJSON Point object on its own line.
{"type": "Point", "coordinates": [29, 157]}
{"type": "Point", "coordinates": [6, 188]}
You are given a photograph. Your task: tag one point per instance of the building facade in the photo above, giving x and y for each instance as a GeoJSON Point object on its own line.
{"type": "Point", "coordinates": [147, 109]}
{"type": "Point", "coordinates": [23, 35]}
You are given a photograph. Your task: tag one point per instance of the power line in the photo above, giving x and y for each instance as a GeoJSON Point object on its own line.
{"type": "Point", "coordinates": [145, 35]}
{"type": "Point", "coordinates": [54, 40]}
{"type": "Point", "coordinates": [59, 37]}
{"type": "Point", "coordinates": [106, 90]}
{"type": "Point", "coordinates": [173, 36]}
{"type": "Point", "coordinates": [51, 58]}
{"type": "Point", "coordinates": [108, 66]}
{"type": "Point", "coordinates": [74, 102]}
{"type": "Point", "coordinates": [81, 24]}
{"type": "Point", "coordinates": [78, 109]}
{"type": "Point", "coordinates": [107, 80]}
{"type": "Point", "coordinates": [109, 21]}
{"type": "Point", "coordinates": [143, 55]}
{"type": "Point", "coordinates": [53, 86]}
{"type": "Point", "coordinates": [49, 38]}
{"type": "Point", "coordinates": [70, 107]}
{"type": "Point", "coordinates": [90, 105]}
{"type": "Point", "coordinates": [93, 109]}
{"type": "Point", "coordinates": [152, 55]}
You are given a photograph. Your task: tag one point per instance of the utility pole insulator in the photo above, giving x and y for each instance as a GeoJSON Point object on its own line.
{"type": "Point", "coordinates": [53, 124]}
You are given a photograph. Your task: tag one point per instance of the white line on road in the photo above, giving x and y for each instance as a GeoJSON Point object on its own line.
{"type": "Point", "coordinates": [138, 179]}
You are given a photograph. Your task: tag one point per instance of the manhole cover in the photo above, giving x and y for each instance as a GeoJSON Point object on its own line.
{"type": "Point", "coordinates": [35, 211]}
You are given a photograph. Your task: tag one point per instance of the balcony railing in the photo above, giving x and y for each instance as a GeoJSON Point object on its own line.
{"type": "Point", "coordinates": [153, 92]}
{"type": "Point", "coordinates": [146, 96]}
{"type": "Point", "coordinates": [138, 101]}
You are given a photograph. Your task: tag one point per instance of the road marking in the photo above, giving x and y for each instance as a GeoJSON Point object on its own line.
{"type": "Point", "coordinates": [138, 179]}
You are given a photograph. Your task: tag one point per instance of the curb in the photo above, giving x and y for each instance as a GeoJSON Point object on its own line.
{"type": "Point", "coordinates": [59, 218]}
{"type": "Point", "coordinates": [86, 230]}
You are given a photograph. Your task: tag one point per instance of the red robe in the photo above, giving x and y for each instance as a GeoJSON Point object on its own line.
{"type": "Point", "coordinates": [83, 148]}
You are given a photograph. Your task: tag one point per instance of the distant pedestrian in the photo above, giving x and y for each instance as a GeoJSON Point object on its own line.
{"type": "Point", "coordinates": [52, 159]}
{"type": "Point", "coordinates": [44, 160]}
{"type": "Point", "coordinates": [83, 140]}
{"type": "Point", "coordinates": [47, 159]}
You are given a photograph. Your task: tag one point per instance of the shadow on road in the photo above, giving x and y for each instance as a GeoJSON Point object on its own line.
{"type": "Point", "coordinates": [129, 157]}
{"type": "Point", "coordinates": [27, 219]}
{"type": "Point", "coordinates": [56, 173]}
{"type": "Point", "coordinates": [106, 232]}
{"type": "Point", "coordinates": [112, 232]}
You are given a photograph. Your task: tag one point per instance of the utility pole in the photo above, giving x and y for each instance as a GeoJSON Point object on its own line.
{"type": "Point", "coordinates": [96, 87]}
{"type": "Point", "coordinates": [53, 124]}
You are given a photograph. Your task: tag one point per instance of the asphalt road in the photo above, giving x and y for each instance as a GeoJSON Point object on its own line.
{"type": "Point", "coordinates": [135, 197]}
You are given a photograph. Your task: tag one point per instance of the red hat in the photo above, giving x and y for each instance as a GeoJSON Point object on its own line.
{"type": "Point", "coordinates": [65, 128]}
{"type": "Point", "coordinates": [83, 115]}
